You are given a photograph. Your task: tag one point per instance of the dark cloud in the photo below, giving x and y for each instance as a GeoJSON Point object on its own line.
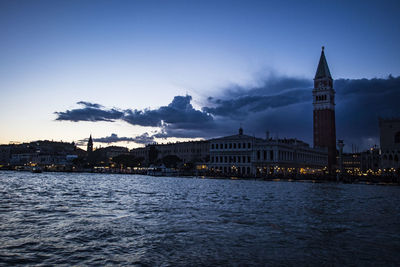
{"type": "Point", "coordinates": [179, 114]}
{"type": "Point", "coordinates": [248, 104]}
{"type": "Point", "coordinates": [89, 112]}
{"type": "Point", "coordinates": [271, 85]}
{"type": "Point", "coordinates": [144, 139]}
{"type": "Point", "coordinates": [359, 104]}
{"type": "Point", "coordinates": [90, 105]}
{"type": "Point", "coordinates": [114, 138]}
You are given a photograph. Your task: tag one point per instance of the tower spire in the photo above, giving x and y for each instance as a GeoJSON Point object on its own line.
{"type": "Point", "coordinates": [90, 144]}
{"type": "Point", "coordinates": [323, 69]}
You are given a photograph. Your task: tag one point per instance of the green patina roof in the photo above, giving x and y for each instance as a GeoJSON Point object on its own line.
{"type": "Point", "coordinates": [323, 69]}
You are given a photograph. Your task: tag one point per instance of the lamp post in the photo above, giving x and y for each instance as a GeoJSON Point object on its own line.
{"type": "Point", "coordinates": [340, 145]}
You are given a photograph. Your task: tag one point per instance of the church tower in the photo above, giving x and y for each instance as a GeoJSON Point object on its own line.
{"type": "Point", "coordinates": [90, 145]}
{"type": "Point", "coordinates": [324, 111]}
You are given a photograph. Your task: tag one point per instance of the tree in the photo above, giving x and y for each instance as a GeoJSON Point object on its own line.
{"type": "Point", "coordinates": [171, 161]}
{"type": "Point", "coordinates": [127, 160]}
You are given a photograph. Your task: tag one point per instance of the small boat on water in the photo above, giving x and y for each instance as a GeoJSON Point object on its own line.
{"type": "Point", "coordinates": [36, 169]}
{"type": "Point", "coordinates": [161, 171]}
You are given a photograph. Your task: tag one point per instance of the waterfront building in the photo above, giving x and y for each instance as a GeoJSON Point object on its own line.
{"type": "Point", "coordinates": [192, 151]}
{"type": "Point", "coordinates": [247, 155]}
{"type": "Point", "coordinates": [141, 152]}
{"type": "Point", "coordinates": [113, 151]}
{"type": "Point", "coordinates": [324, 111]}
{"type": "Point", "coordinates": [390, 143]}
{"type": "Point", "coordinates": [371, 160]}
{"type": "Point", "coordinates": [232, 154]}
{"type": "Point", "coordinates": [352, 163]}
{"type": "Point", "coordinates": [287, 156]}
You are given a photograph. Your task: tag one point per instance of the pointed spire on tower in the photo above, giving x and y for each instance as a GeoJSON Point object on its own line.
{"type": "Point", "coordinates": [90, 144]}
{"type": "Point", "coordinates": [323, 69]}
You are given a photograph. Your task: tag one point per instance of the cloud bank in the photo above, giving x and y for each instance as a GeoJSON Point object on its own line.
{"type": "Point", "coordinates": [281, 105]}
{"type": "Point", "coordinates": [114, 138]}
{"type": "Point", "coordinates": [89, 112]}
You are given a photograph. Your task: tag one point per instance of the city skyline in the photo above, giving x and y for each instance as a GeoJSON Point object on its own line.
{"type": "Point", "coordinates": [180, 70]}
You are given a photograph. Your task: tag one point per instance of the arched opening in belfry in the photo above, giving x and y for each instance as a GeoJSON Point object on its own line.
{"type": "Point", "coordinates": [396, 158]}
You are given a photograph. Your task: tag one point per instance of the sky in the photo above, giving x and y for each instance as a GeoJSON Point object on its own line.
{"type": "Point", "coordinates": [134, 72]}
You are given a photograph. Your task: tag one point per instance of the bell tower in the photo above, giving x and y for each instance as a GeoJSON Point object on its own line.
{"type": "Point", "coordinates": [324, 111]}
{"type": "Point", "coordinates": [90, 145]}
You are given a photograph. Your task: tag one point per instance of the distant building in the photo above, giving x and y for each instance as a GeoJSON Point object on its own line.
{"type": "Point", "coordinates": [247, 155]}
{"type": "Point", "coordinates": [371, 160]}
{"type": "Point", "coordinates": [141, 152]}
{"type": "Point", "coordinates": [42, 153]}
{"type": "Point", "coordinates": [324, 111]}
{"type": "Point", "coordinates": [192, 151]}
{"type": "Point", "coordinates": [113, 151]}
{"type": "Point", "coordinates": [104, 156]}
{"type": "Point", "coordinates": [352, 163]}
{"type": "Point", "coordinates": [232, 154]}
{"type": "Point", "coordinates": [5, 154]}
{"type": "Point", "coordinates": [390, 143]}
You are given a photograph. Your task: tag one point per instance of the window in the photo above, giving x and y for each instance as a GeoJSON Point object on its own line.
{"type": "Point", "coordinates": [234, 145]}
{"type": "Point", "coordinates": [212, 146]}
{"type": "Point", "coordinates": [226, 146]}
{"type": "Point", "coordinates": [271, 155]}
{"type": "Point", "coordinates": [216, 146]}
{"type": "Point", "coordinates": [265, 154]}
{"type": "Point", "coordinates": [258, 154]}
{"type": "Point", "coordinates": [239, 145]}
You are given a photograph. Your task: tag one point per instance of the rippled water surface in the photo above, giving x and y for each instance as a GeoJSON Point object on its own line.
{"type": "Point", "coordinates": [96, 219]}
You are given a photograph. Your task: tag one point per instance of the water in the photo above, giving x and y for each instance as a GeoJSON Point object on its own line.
{"type": "Point", "coordinates": [96, 219]}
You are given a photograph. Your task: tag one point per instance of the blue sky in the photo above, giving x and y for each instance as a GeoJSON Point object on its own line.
{"type": "Point", "coordinates": [141, 54]}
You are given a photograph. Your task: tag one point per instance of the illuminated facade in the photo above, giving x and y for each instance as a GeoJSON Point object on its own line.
{"type": "Point", "coordinates": [233, 154]}
{"type": "Point", "coordinates": [390, 143]}
{"type": "Point", "coordinates": [247, 155]}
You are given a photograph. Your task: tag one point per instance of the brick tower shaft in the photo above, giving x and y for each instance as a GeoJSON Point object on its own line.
{"type": "Point", "coordinates": [324, 111]}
